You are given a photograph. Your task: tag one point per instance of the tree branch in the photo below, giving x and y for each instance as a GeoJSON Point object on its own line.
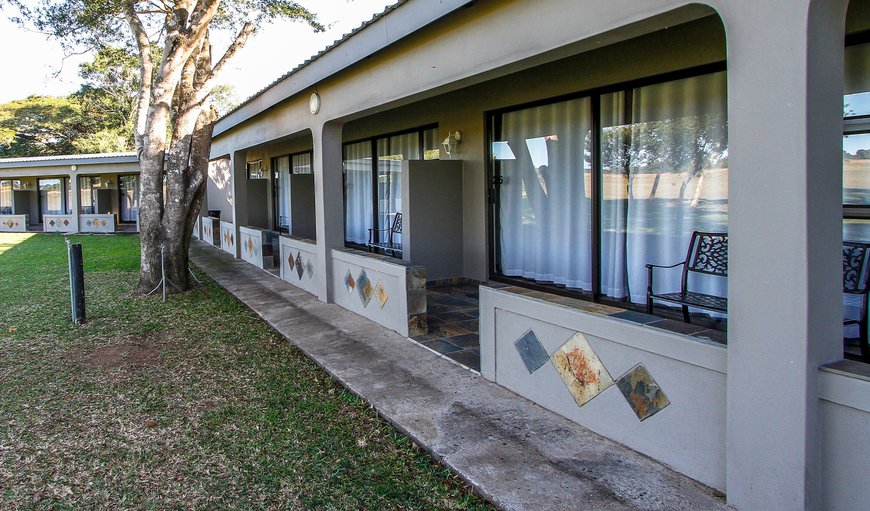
{"type": "Point", "coordinates": [146, 70]}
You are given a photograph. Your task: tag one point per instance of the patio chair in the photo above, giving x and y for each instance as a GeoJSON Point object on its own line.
{"type": "Point", "coordinates": [390, 245]}
{"type": "Point", "coordinates": [856, 281]}
{"type": "Point", "coordinates": [708, 255]}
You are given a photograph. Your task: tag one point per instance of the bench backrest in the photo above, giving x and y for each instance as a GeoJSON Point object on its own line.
{"type": "Point", "coordinates": [707, 254]}
{"type": "Point", "coordinates": [856, 273]}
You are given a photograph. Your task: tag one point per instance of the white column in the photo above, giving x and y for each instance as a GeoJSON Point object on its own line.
{"type": "Point", "coordinates": [785, 68]}
{"type": "Point", "coordinates": [329, 200]}
{"type": "Point", "coordinates": [75, 207]}
{"type": "Point", "coordinates": [239, 174]}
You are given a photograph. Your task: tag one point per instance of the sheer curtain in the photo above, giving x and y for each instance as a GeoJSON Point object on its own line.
{"type": "Point", "coordinates": [282, 169]}
{"type": "Point", "coordinates": [665, 175]}
{"type": "Point", "coordinates": [358, 191]}
{"type": "Point", "coordinates": [391, 152]}
{"type": "Point", "coordinates": [544, 200]}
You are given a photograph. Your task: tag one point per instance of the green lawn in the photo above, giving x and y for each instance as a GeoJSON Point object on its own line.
{"type": "Point", "coordinates": [192, 404]}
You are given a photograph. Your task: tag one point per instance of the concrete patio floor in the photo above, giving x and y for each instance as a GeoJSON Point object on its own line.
{"type": "Point", "coordinates": [514, 453]}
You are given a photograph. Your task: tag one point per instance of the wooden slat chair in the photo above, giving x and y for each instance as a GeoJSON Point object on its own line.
{"type": "Point", "coordinates": [856, 281]}
{"type": "Point", "coordinates": [390, 245]}
{"type": "Point", "coordinates": [707, 255]}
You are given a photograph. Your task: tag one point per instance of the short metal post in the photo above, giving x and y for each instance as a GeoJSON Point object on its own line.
{"type": "Point", "coordinates": [76, 282]}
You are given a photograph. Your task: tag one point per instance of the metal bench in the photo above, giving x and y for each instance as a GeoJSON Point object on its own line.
{"type": "Point", "coordinates": [708, 255]}
{"type": "Point", "coordinates": [390, 245]}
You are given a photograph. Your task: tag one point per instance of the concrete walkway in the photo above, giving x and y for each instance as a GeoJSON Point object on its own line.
{"type": "Point", "coordinates": [513, 452]}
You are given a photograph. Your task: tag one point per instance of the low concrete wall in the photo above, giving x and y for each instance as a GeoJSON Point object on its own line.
{"type": "Point", "coordinates": [252, 245]}
{"type": "Point", "coordinates": [383, 289]}
{"type": "Point", "coordinates": [228, 238]}
{"type": "Point", "coordinates": [197, 230]}
{"type": "Point", "coordinates": [211, 230]}
{"type": "Point", "coordinates": [97, 223]}
{"type": "Point", "coordinates": [13, 223]}
{"type": "Point", "coordinates": [299, 264]}
{"type": "Point", "coordinates": [844, 393]}
{"type": "Point", "coordinates": [57, 223]}
{"type": "Point", "coordinates": [658, 392]}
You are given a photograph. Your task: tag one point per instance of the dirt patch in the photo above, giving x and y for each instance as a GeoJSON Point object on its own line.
{"type": "Point", "coordinates": [142, 354]}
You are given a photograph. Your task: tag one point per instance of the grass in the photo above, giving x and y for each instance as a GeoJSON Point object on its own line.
{"type": "Point", "coordinates": [191, 404]}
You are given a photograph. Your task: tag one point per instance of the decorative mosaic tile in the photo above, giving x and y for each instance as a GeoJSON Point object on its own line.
{"type": "Point", "coordinates": [417, 325]}
{"type": "Point", "coordinates": [51, 223]}
{"type": "Point", "coordinates": [300, 269]}
{"type": "Point", "coordinates": [381, 293]}
{"type": "Point", "coordinates": [66, 222]}
{"type": "Point", "coordinates": [531, 351]}
{"type": "Point", "coordinates": [309, 269]}
{"type": "Point", "coordinates": [291, 261]}
{"type": "Point", "coordinates": [250, 246]}
{"type": "Point", "coordinates": [642, 392]}
{"type": "Point", "coordinates": [581, 369]}
{"type": "Point", "coordinates": [364, 288]}
{"type": "Point", "coordinates": [349, 283]}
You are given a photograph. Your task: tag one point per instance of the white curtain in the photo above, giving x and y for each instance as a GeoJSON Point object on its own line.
{"type": "Point", "coordinates": [665, 175]}
{"type": "Point", "coordinates": [358, 191]}
{"type": "Point", "coordinates": [282, 168]}
{"type": "Point", "coordinates": [391, 152]}
{"type": "Point", "coordinates": [545, 202]}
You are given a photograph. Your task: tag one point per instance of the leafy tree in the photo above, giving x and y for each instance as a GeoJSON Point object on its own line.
{"type": "Point", "coordinates": [174, 114]}
{"type": "Point", "coordinates": [40, 126]}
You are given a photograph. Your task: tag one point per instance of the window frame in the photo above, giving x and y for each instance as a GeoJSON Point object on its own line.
{"type": "Point", "coordinates": [856, 125]}
{"type": "Point", "coordinates": [373, 140]}
{"type": "Point", "coordinates": [492, 126]}
{"type": "Point", "coordinates": [276, 214]}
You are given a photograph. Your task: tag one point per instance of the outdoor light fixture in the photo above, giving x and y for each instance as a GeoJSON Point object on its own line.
{"type": "Point", "coordinates": [451, 143]}
{"type": "Point", "coordinates": [73, 168]}
{"type": "Point", "coordinates": [314, 103]}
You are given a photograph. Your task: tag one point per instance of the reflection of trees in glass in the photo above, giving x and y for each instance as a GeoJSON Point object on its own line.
{"type": "Point", "coordinates": [687, 145]}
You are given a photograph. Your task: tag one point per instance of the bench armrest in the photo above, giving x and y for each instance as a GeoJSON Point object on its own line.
{"type": "Point", "coordinates": [649, 282]}
{"type": "Point", "coordinates": [651, 266]}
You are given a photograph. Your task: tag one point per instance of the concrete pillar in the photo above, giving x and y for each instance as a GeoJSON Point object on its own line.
{"type": "Point", "coordinates": [240, 194]}
{"type": "Point", "coordinates": [785, 68]}
{"type": "Point", "coordinates": [329, 200]}
{"type": "Point", "coordinates": [75, 200]}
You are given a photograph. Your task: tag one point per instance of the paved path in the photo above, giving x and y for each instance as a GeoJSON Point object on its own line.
{"type": "Point", "coordinates": [515, 453]}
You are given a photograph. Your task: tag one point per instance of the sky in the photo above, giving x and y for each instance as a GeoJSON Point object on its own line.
{"type": "Point", "coordinates": [40, 66]}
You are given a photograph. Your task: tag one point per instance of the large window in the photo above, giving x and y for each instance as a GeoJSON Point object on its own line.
{"type": "Point", "coordinates": [54, 196]}
{"type": "Point", "coordinates": [588, 190]}
{"type": "Point", "coordinates": [856, 144]}
{"type": "Point", "coordinates": [373, 187]}
{"type": "Point", "coordinates": [6, 197]}
{"type": "Point", "coordinates": [88, 185]}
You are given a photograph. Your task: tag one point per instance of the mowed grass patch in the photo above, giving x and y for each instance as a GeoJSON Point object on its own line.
{"type": "Point", "coordinates": [191, 404]}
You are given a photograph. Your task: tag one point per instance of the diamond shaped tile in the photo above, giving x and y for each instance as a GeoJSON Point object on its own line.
{"type": "Point", "coordinates": [364, 288]}
{"type": "Point", "coordinates": [642, 392]}
{"type": "Point", "coordinates": [581, 369]}
{"type": "Point", "coordinates": [65, 222]}
{"type": "Point", "coordinates": [291, 261]}
{"type": "Point", "coordinates": [531, 351]}
{"type": "Point", "coordinates": [300, 269]}
{"type": "Point", "coordinates": [309, 269]}
{"type": "Point", "coordinates": [51, 223]}
{"type": "Point", "coordinates": [381, 293]}
{"type": "Point", "coordinates": [349, 283]}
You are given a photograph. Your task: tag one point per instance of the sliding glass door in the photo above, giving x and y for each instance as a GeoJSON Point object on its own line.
{"type": "Point", "coordinates": [129, 191]}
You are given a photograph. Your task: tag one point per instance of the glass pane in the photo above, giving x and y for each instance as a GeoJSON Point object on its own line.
{"type": "Point", "coordinates": [665, 175]}
{"type": "Point", "coordinates": [544, 217]}
{"type": "Point", "coordinates": [431, 145]}
{"type": "Point", "coordinates": [69, 192]}
{"type": "Point", "coordinates": [357, 191]}
{"type": "Point", "coordinates": [6, 197]}
{"type": "Point", "coordinates": [129, 186]}
{"type": "Point", "coordinates": [855, 231]}
{"type": "Point", "coordinates": [51, 196]}
{"type": "Point", "coordinates": [391, 152]}
{"type": "Point", "coordinates": [856, 99]}
{"type": "Point", "coordinates": [302, 163]}
{"type": "Point", "coordinates": [856, 169]}
{"type": "Point", "coordinates": [282, 175]}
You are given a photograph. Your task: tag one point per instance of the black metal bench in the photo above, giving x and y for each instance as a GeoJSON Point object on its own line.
{"type": "Point", "coordinates": [856, 281]}
{"type": "Point", "coordinates": [390, 244]}
{"type": "Point", "coordinates": [708, 255]}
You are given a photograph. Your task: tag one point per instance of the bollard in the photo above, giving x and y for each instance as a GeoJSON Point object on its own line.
{"type": "Point", "coordinates": [76, 282]}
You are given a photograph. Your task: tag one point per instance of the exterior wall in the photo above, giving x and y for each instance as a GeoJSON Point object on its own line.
{"type": "Point", "coordinates": [229, 238]}
{"type": "Point", "coordinates": [381, 289]}
{"type": "Point", "coordinates": [688, 433]}
{"type": "Point", "coordinates": [13, 223]}
{"type": "Point", "coordinates": [97, 223]}
{"type": "Point", "coordinates": [211, 230]}
{"type": "Point", "coordinates": [57, 223]}
{"type": "Point", "coordinates": [845, 414]}
{"type": "Point", "coordinates": [219, 191]}
{"type": "Point", "coordinates": [299, 264]}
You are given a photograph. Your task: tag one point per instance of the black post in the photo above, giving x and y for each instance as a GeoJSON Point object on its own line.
{"type": "Point", "coordinates": [76, 282]}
